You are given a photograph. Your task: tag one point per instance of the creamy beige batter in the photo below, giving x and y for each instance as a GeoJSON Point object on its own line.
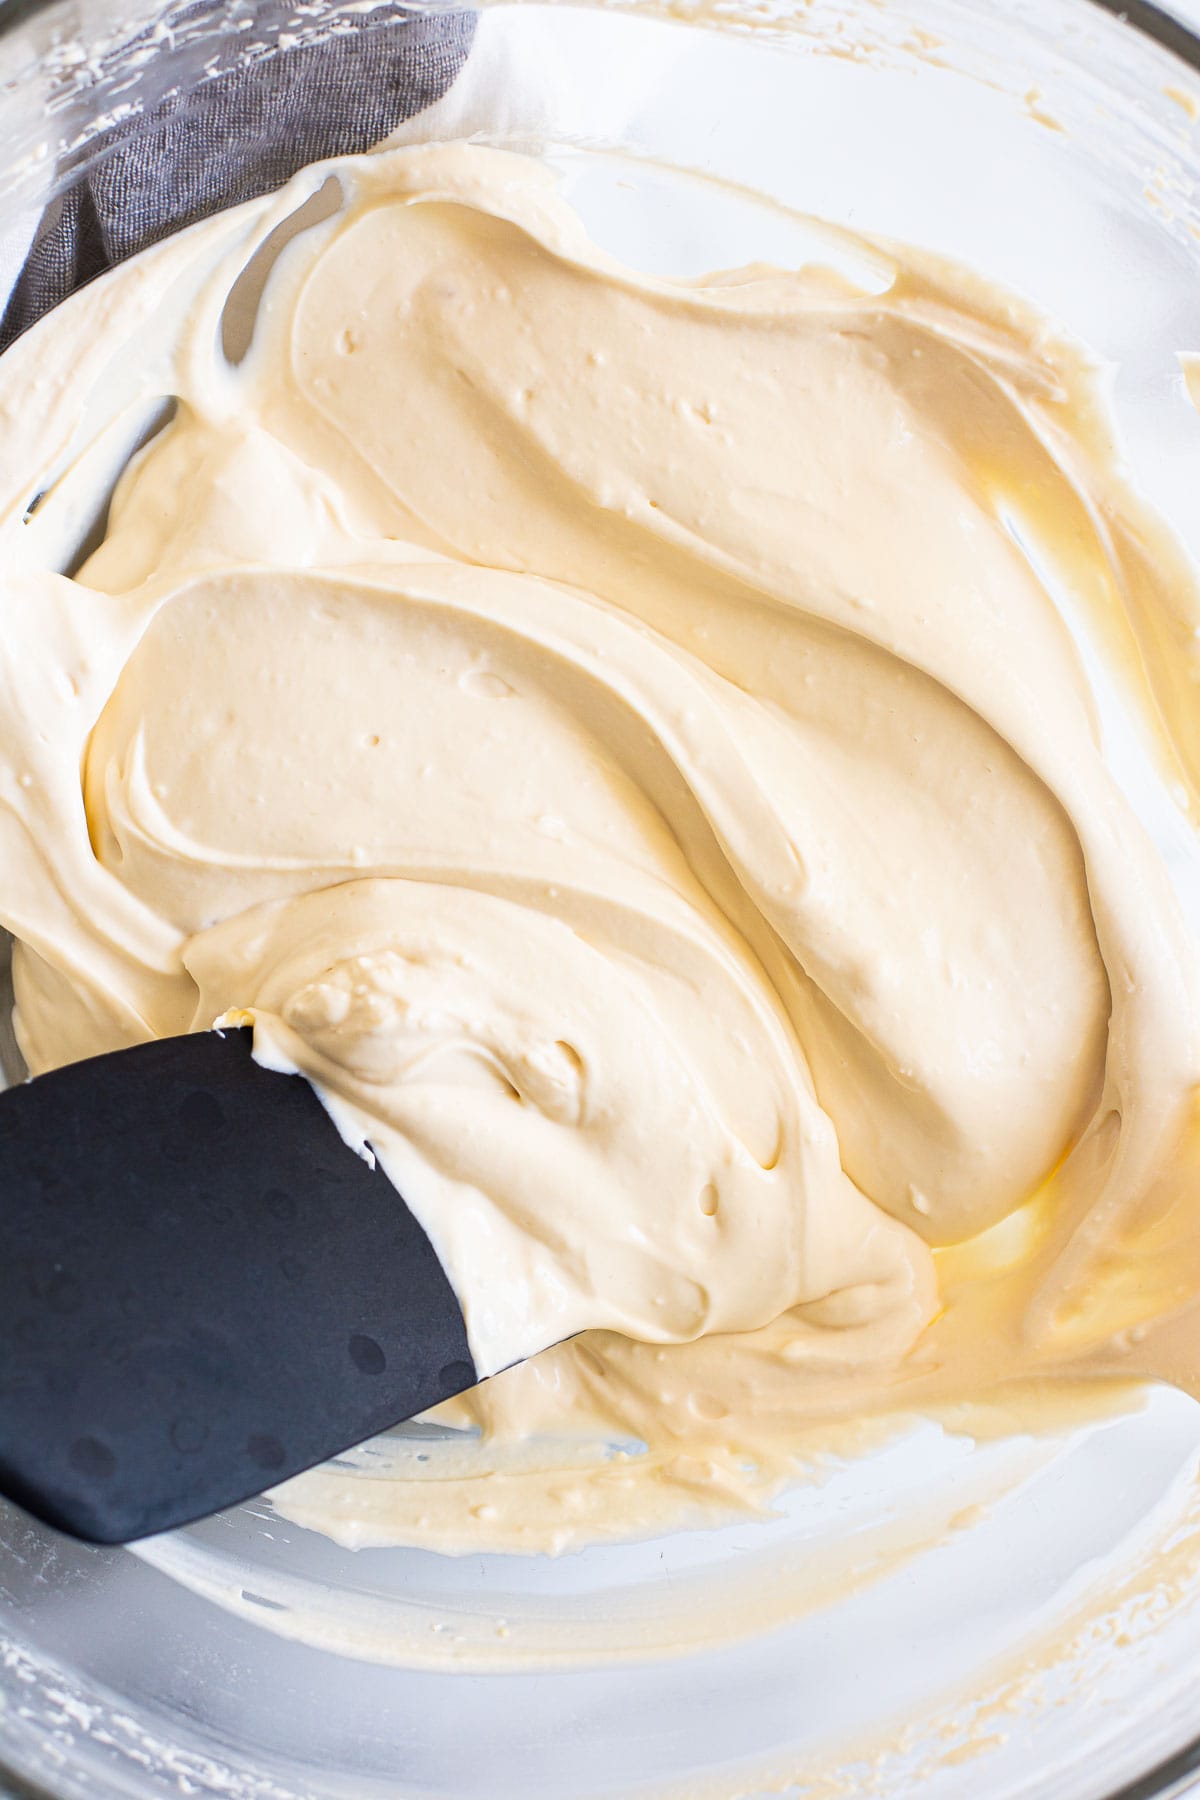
{"type": "Point", "coordinates": [621, 739]}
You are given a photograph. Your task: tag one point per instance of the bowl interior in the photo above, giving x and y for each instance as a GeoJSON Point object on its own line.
{"type": "Point", "coordinates": [1019, 1608]}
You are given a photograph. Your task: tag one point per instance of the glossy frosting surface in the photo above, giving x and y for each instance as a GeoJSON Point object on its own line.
{"type": "Point", "coordinates": [625, 742]}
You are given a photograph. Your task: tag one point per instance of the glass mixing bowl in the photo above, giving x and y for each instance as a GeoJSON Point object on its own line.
{"type": "Point", "coordinates": [938, 1615]}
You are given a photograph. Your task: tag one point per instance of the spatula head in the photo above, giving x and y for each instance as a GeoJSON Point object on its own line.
{"type": "Point", "coordinates": [202, 1289]}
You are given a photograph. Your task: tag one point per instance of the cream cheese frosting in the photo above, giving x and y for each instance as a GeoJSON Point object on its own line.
{"type": "Point", "coordinates": [626, 742]}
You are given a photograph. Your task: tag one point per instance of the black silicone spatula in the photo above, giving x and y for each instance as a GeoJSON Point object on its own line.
{"type": "Point", "coordinates": [202, 1289]}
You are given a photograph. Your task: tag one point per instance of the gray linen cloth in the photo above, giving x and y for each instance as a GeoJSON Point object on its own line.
{"type": "Point", "coordinates": [232, 137]}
